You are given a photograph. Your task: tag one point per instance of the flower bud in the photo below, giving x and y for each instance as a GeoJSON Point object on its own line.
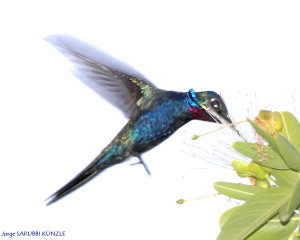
{"type": "Point", "coordinates": [257, 171]}
{"type": "Point", "coordinates": [270, 120]}
{"type": "Point", "coordinates": [262, 184]}
{"type": "Point", "coordinates": [241, 168]}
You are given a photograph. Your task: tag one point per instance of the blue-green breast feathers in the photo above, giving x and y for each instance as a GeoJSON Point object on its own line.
{"type": "Point", "coordinates": [167, 113]}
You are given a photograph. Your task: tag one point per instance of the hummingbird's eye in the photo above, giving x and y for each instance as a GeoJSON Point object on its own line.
{"type": "Point", "coordinates": [216, 105]}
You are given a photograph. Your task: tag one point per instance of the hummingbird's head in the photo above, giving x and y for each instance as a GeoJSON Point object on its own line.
{"type": "Point", "coordinates": [207, 106]}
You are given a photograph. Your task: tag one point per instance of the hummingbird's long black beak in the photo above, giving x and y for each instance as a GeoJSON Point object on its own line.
{"type": "Point", "coordinates": [219, 117]}
{"type": "Point", "coordinates": [233, 127]}
{"type": "Point", "coordinates": [227, 119]}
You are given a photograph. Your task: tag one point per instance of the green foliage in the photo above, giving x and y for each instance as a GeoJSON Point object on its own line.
{"type": "Point", "coordinates": [270, 208]}
{"type": "Point", "coordinates": [236, 190]}
{"type": "Point", "coordinates": [257, 152]}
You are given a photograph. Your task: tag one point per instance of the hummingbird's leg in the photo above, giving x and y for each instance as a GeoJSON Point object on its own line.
{"type": "Point", "coordinates": [143, 163]}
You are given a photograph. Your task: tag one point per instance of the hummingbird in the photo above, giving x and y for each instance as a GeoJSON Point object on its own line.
{"type": "Point", "coordinates": [154, 114]}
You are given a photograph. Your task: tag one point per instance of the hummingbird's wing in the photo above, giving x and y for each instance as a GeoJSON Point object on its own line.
{"type": "Point", "coordinates": [117, 82]}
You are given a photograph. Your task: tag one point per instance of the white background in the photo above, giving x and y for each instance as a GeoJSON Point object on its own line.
{"type": "Point", "coordinates": [52, 126]}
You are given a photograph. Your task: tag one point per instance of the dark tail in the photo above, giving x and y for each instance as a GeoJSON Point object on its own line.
{"type": "Point", "coordinates": [97, 166]}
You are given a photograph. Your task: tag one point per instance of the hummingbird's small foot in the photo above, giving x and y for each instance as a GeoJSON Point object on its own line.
{"type": "Point", "coordinates": [141, 161]}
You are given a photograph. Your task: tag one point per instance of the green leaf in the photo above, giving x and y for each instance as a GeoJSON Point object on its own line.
{"type": "Point", "coordinates": [236, 190]}
{"type": "Point", "coordinates": [287, 210]}
{"type": "Point", "coordinates": [270, 139]}
{"type": "Point", "coordinates": [274, 229]}
{"type": "Point", "coordinates": [285, 178]}
{"type": "Point", "coordinates": [289, 153]}
{"type": "Point", "coordinates": [273, 159]}
{"type": "Point", "coordinates": [226, 215]}
{"type": "Point", "coordinates": [254, 213]}
{"type": "Point", "coordinates": [291, 129]}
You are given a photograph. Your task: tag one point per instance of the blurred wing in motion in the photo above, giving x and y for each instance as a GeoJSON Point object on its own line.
{"type": "Point", "coordinates": [115, 81]}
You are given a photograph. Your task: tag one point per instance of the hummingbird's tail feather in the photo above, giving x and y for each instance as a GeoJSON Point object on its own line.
{"type": "Point", "coordinates": [101, 162]}
{"type": "Point", "coordinates": [75, 183]}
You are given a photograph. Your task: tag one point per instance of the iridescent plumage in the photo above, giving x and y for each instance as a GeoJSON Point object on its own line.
{"type": "Point", "coordinates": [154, 114]}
